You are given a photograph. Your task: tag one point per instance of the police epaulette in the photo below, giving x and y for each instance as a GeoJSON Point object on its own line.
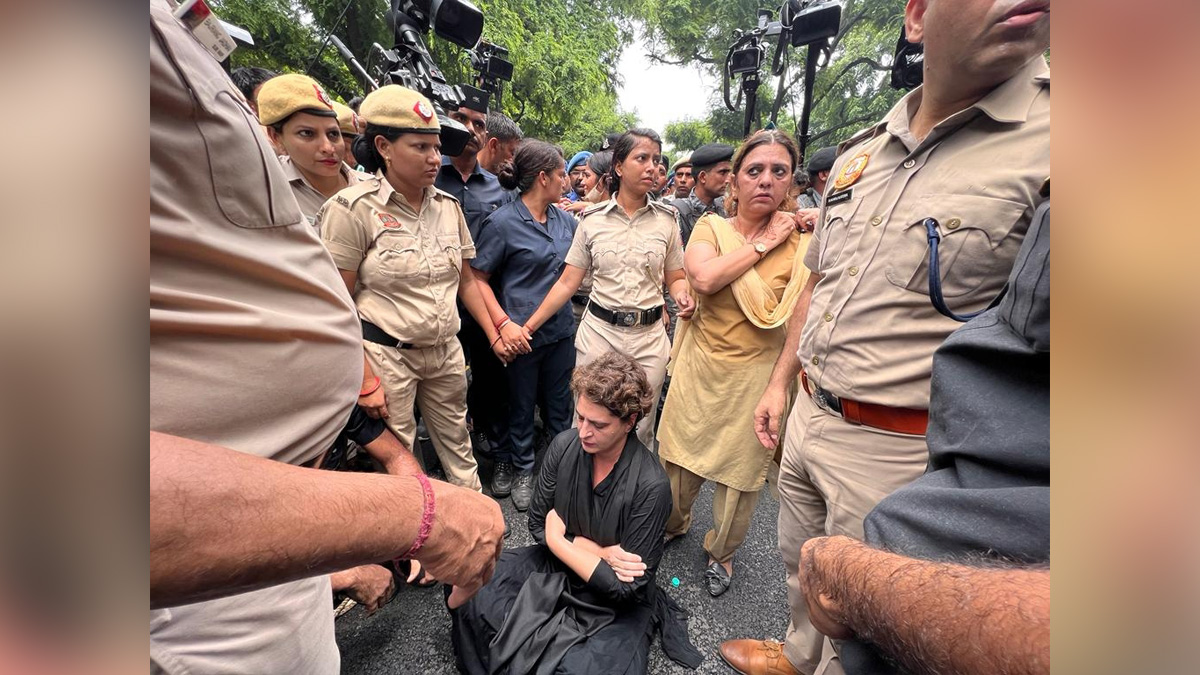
{"type": "Point", "coordinates": [865, 134]}
{"type": "Point", "coordinates": [355, 192]}
{"type": "Point", "coordinates": [443, 193]}
{"type": "Point", "coordinates": [593, 209]}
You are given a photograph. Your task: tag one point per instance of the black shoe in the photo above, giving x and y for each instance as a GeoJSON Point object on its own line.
{"type": "Point", "coordinates": [502, 479]}
{"type": "Point", "coordinates": [717, 579]}
{"type": "Point", "coordinates": [522, 491]}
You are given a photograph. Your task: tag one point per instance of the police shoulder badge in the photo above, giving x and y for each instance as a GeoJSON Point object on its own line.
{"type": "Point", "coordinates": [423, 110]}
{"type": "Point", "coordinates": [388, 220]}
{"type": "Point", "coordinates": [851, 170]}
{"type": "Point", "coordinates": [323, 97]}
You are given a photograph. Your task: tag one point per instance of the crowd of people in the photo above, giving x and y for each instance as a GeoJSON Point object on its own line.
{"type": "Point", "coordinates": [609, 331]}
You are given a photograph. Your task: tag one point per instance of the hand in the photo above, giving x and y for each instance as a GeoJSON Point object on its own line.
{"type": "Point", "coordinates": [768, 415]}
{"type": "Point", "coordinates": [375, 403]}
{"type": "Point", "coordinates": [512, 336]}
{"type": "Point", "coordinates": [576, 207]}
{"type": "Point", "coordinates": [502, 352]}
{"type": "Point", "coordinates": [555, 527]}
{"type": "Point", "coordinates": [806, 219]}
{"type": "Point", "coordinates": [528, 333]}
{"type": "Point", "coordinates": [371, 586]}
{"type": "Point", "coordinates": [781, 227]}
{"type": "Point", "coordinates": [466, 540]}
{"type": "Point", "coordinates": [627, 566]}
{"type": "Point", "coordinates": [687, 305]}
{"type": "Point", "coordinates": [823, 611]}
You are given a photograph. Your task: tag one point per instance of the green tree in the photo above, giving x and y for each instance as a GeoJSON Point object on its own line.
{"type": "Point", "coordinates": [687, 135]}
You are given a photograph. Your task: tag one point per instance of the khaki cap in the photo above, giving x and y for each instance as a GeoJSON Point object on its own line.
{"type": "Point", "coordinates": [685, 160]}
{"type": "Point", "coordinates": [400, 108]}
{"type": "Point", "coordinates": [348, 120]}
{"type": "Point", "coordinates": [283, 96]}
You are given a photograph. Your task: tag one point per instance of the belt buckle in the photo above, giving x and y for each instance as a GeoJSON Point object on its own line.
{"type": "Point", "coordinates": [628, 319]}
{"type": "Point", "coordinates": [827, 401]}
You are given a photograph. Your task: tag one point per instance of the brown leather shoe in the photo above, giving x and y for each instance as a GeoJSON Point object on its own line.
{"type": "Point", "coordinates": [756, 657]}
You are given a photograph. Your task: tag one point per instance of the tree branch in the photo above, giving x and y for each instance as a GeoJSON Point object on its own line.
{"type": "Point", "coordinates": [849, 123]}
{"type": "Point", "coordinates": [695, 56]}
{"type": "Point", "coordinates": [875, 65]}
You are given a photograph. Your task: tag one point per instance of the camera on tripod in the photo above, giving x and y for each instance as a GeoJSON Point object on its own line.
{"type": "Point", "coordinates": [489, 60]}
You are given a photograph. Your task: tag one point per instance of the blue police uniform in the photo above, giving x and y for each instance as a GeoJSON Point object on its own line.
{"type": "Point", "coordinates": [524, 259]}
{"type": "Point", "coordinates": [480, 195]}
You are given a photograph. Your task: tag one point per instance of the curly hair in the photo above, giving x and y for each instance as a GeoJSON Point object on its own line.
{"type": "Point", "coordinates": [616, 382]}
{"type": "Point", "coordinates": [755, 140]}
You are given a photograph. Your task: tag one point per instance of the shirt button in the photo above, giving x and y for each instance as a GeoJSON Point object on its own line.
{"type": "Point", "coordinates": [816, 360]}
{"type": "Point", "coordinates": [910, 164]}
{"type": "Point", "coordinates": [953, 224]}
{"type": "Point", "coordinates": [876, 220]}
{"type": "Point", "coordinates": [828, 316]}
{"type": "Point", "coordinates": [853, 271]}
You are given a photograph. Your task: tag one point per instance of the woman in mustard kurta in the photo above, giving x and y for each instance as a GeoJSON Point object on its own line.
{"type": "Point", "coordinates": [746, 273]}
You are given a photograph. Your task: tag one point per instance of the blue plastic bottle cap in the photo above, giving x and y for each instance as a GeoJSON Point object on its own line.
{"type": "Point", "coordinates": [674, 581]}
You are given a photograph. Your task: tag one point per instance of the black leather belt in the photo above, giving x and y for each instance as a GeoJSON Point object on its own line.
{"type": "Point", "coordinates": [379, 336]}
{"type": "Point", "coordinates": [627, 318]}
{"type": "Point", "coordinates": [580, 299]}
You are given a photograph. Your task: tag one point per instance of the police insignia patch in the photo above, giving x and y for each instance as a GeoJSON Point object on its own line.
{"type": "Point", "coordinates": [388, 220]}
{"type": "Point", "coordinates": [851, 171]}
{"type": "Point", "coordinates": [323, 97]}
{"type": "Point", "coordinates": [423, 110]}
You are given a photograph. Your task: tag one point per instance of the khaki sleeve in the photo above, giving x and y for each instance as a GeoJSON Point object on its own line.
{"type": "Point", "coordinates": [674, 259]}
{"type": "Point", "coordinates": [464, 234]}
{"type": "Point", "coordinates": [344, 234]}
{"type": "Point", "coordinates": [580, 254]}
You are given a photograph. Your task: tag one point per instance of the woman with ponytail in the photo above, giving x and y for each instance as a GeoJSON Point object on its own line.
{"type": "Point", "coordinates": [521, 250]}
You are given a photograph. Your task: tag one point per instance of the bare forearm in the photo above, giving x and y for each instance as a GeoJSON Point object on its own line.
{"type": "Point", "coordinates": [224, 522]}
{"type": "Point", "coordinates": [468, 292]}
{"type": "Point", "coordinates": [391, 453]}
{"type": "Point", "coordinates": [559, 294]}
{"type": "Point", "coordinates": [709, 273]}
{"type": "Point", "coordinates": [581, 562]}
{"type": "Point", "coordinates": [494, 310]}
{"type": "Point", "coordinates": [936, 617]}
{"type": "Point", "coordinates": [787, 366]}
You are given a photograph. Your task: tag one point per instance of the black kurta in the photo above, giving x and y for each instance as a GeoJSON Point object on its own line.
{"type": "Point", "coordinates": [537, 615]}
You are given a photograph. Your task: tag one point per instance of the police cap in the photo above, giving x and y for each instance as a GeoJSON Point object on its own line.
{"type": "Point", "coordinates": [712, 153]}
{"type": "Point", "coordinates": [348, 120]}
{"type": "Point", "coordinates": [400, 108]}
{"type": "Point", "coordinates": [285, 95]}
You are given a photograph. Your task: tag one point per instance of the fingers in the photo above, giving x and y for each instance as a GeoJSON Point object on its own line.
{"type": "Point", "coordinates": [383, 411]}
{"type": "Point", "coordinates": [762, 429]}
{"type": "Point", "coordinates": [414, 571]}
{"type": "Point", "coordinates": [459, 595]}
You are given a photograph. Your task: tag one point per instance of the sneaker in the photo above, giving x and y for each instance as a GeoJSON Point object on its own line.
{"type": "Point", "coordinates": [522, 491]}
{"type": "Point", "coordinates": [502, 479]}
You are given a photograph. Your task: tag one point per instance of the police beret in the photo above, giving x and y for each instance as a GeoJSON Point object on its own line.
{"type": "Point", "coordinates": [400, 108]}
{"type": "Point", "coordinates": [578, 158]}
{"type": "Point", "coordinates": [684, 160]}
{"type": "Point", "coordinates": [822, 160]}
{"type": "Point", "coordinates": [712, 153]}
{"type": "Point", "coordinates": [285, 95]}
{"type": "Point", "coordinates": [348, 120]}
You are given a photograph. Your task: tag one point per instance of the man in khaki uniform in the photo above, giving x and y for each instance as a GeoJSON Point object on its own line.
{"type": "Point", "coordinates": [964, 156]}
{"type": "Point", "coordinates": [253, 342]}
{"type": "Point", "coordinates": [407, 264]}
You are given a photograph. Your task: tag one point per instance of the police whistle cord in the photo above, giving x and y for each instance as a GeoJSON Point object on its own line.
{"type": "Point", "coordinates": [935, 275]}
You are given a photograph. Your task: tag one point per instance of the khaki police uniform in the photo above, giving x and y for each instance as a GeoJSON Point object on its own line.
{"type": "Point", "coordinates": [871, 329]}
{"type": "Point", "coordinates": [254, 344]}
{"type": "Point", "coordinates": [409, 259]}
{"type": "Point", "coordinates": [311, 200]}
{"type": "Point", "coordinates": [627, 258]}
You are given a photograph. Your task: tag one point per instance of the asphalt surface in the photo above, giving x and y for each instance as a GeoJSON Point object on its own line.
{"type": "Point", "coordinates": [411, 634]}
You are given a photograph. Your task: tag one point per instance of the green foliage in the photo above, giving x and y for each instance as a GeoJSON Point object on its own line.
{"type": "Point", "coordinates": [850, 92]}
{"type": "Point", "coordinates": [687, 135]}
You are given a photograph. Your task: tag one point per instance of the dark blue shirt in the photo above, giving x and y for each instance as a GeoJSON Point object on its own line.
{"type": "Point", "coordinates": [524, 259]}
{"type": "Point", "coordinates": [479, 196]}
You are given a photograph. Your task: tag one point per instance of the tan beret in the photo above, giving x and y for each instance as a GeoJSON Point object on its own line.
{"type": "Point", "coordinates": [400, 108]}
{"type": "Point", "coordinates": [348, 120]}
{"type": "Point", "coordinates": [283, 96]}
{"type": "Point", "coordinates": [685, 160]}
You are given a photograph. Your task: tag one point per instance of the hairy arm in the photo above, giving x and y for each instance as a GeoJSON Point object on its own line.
{"type": "Point", "coordinates": [225, 522]}
{"type": "Point", "coordinates": [930, 617]}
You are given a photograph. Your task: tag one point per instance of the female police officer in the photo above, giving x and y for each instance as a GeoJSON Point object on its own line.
{"type": "Point", "coordinates": [522, 248]}
{"type": "Point", "coordinates": [301, 120]}
{"type": "Point", "coordinates": [402, 247]}
{"type": "Point", "coordinates": [632, 246]}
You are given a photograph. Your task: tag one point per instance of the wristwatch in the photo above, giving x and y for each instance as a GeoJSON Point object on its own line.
{"type": "Point", "coordinates": [761, 249]}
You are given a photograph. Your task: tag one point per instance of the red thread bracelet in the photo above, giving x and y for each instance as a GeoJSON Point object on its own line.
{"type": "Point", "coordinates": [368, 392]}
{"type": "Point", "coordinates": [503, 322]}
{"type": "Point", "coordinates": [426, 517]}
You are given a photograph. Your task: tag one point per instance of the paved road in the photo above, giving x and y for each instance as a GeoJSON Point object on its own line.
{"type": "Point", "coordinates": [412, 633]}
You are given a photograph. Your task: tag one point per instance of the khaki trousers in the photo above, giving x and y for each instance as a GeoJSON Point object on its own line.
{"type": "Point", "coordinates": [648, 345]}
{"type": "Point", "coordinates": [434, 377]}
{"type": "Point", "coordinates": [732, 510]}
{"type": "Point", "coordinates": [831, 475]}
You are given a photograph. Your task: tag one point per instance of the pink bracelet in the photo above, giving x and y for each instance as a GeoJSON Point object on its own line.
{"type": "Point", "coordinates": [426, 518]}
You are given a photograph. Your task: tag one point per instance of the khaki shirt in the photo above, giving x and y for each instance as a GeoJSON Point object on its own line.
{"type": "Point", "coordinates": [627, 256]}
{"type": "Point", "coordinates": [871, 329]}
{"type": "Point", "coordinates": [254, 345]}
{"type": "Point", "coordinates": [408, 260]}
{"type": "Point", "coordinates": [309, 197]}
